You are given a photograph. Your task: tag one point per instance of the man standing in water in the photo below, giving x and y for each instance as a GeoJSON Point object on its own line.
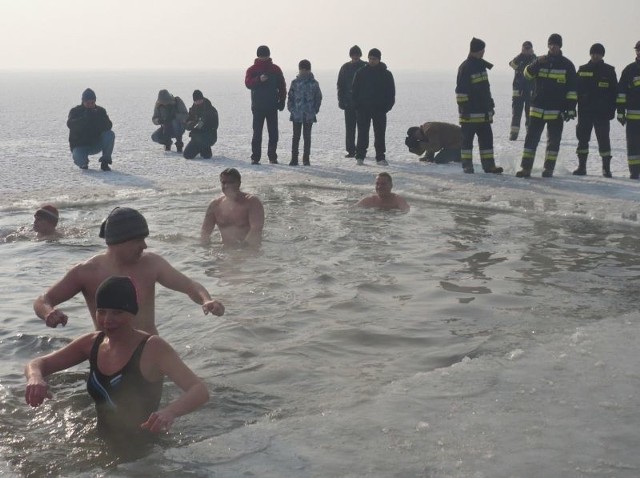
{"type": "Point", "coordinates": [238, 215]}
{"type": "Point", "coordinates": [384, 198]}
{"type": "Point", "coordinates": [124, 231]}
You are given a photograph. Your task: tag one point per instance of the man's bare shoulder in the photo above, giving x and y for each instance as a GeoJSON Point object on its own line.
{"type": "Point", "coordinates": [252, 199]}
{"type": "Point", "coordinates": [369, 201]}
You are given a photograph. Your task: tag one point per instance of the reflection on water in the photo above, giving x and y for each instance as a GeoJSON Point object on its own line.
{"type": "Point", "coordinates": [338, 303]}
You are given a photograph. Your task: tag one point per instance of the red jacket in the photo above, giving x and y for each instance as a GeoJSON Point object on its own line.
{"type": "Point", "coordinates": [266, 94]}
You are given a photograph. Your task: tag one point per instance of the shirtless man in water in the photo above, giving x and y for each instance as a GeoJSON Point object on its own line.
{"type": "Point", "coordinates": [384, 198]}
{"type": "Point", "coordinates": [238, 215]}
{"type": "Point", "coordinates": [124, 231]}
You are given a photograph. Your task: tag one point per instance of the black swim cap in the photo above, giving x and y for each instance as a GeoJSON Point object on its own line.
{"type": "Point", "coordinates": [119, 293]}
{"type": "Point", "coordinates": [123, 224]}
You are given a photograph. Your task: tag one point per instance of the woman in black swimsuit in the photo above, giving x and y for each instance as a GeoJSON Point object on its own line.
{"type": "Point", "coordinates": [127, 367]}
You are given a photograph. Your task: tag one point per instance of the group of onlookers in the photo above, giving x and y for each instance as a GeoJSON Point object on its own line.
{"type": "Point", "coordinates": [546, 88]}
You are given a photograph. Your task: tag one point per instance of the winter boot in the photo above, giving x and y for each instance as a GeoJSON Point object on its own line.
{"type": "Point", "coordinates": [467, 166]}
{"type": "Point", "coordinates": [513, 136]}
{"type": "Point", "coordinates": [494, 170]}
{"type": "Point", "coordinates": [606, 166]}
{"type": "Point", "coordinates": [547, 173]}
{"type": "Point", "coordinates": [179, 147]}
{"type": "Point", "coordinates": [305, 160]}
{"type": "Point", "coordinates": [294, 159]}
{"type": "Point", "coordinates": [167, 146]}
{"type": "Point", "coordinates": [582, 166]}
{"type": "Point", "coordinates": [523, 173]}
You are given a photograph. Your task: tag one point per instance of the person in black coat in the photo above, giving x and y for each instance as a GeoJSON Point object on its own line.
{"type": "Point", "coordinates": [374, 94]}
{"type": "Point", "coordinates": [90, 132]}
{"type": "Point", "coordinates": [345, 87]}
{"type": "Point", "coordinates": [202, 123]}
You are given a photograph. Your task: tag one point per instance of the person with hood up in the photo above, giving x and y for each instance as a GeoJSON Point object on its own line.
{"type": "Point", "coordinates": [170, 113]}
{"type": "Point", "coordinates": [373, 95]}
{"type": "Point", "coordinates": [202, 123]}
{"type": "Point", "coordinates": [303, 103]}
{"type": "Point", "coordinates": [433, 137]}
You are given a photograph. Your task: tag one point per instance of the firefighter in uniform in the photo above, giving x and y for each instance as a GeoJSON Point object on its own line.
{"type": "Point", "coordinates": [521, 96]}
{"type": "Point", "coordinates": [476, 108]}
{"type": "Point", "coordinates": [597, 87]}
{"type": "Point", "coordinates": [629, 112]}
{"type": "Point", "coordinates": [552, 102]}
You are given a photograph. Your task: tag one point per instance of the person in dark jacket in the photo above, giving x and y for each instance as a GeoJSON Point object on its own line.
{"type": "Point", "coordinates": [203, 124]}
{"type": "Point", "coordinates": [345, 101]}
{"type": "Point", "coordinates": [433, 137]}
{"type": "Point", "coordinates": [169, 113]}
{"type": "Point", "coordinates": [303, 103]}
{"type": "Point", "coordinates": [373, 95]}
{"type": "Point", "coordinates": [628, 104]}
{"type": "Point", "coordinates": [553, 101]}
{"type": "Point", "coordinates": [476, 108]}
{"type": "Point", "coordinates": [268, 95]}
{"type": "Point", "coordinates": [521, 96]}
{"type": "Point", "coordinates": [597, 87]}
{"type": "Point", "coordinates": [90, 132]}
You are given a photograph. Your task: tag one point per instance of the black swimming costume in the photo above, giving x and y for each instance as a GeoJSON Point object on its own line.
{"type": "Point", "coordinates": [125, 399]}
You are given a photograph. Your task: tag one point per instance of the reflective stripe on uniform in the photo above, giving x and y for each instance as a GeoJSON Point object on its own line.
{"type": "Point", "coordinates": [486, 154]}
{"type": "Point", "coordinates": [633, 115]}
{"type": "Point", "coordinates": [462, 98]}
{"type": "Point", "coordinates": [551, 156]}
{"type": "Point", "coordinates": [466, 154]}
{"type": "Point", "coordinates": [528, 153]}
{"type": "Point", "coordinates": [479, 77]}
{"type": "Point", "coordinates": [544, 114]}
{"type": "Point", "coordinates": [621, 99]}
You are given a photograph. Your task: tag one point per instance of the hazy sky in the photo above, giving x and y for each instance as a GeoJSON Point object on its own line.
{"type": "Point", "coordinates": [222, 34]}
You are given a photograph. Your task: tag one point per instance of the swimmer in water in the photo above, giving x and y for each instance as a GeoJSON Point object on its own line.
{"type": "Point", "coordinates": [45, 221]}
{"type": "Point", "coordinates": [384, 198]}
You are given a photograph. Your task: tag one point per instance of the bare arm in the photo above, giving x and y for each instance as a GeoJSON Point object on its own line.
{"type": "Point", "coordinates": [61, 291]}
{"type": "Point", "coordinates": [256, 223]}
{"type": "Point", "coordinates": [369, 201]}
{"type": "Point", "coordinates": [173, 279]}
{"type": "Point", "coordinates": [195, 392]}
{"type": "Point", "coordinates": [35, 371]}
{"type": "Point", "coordinates": [208, 225]}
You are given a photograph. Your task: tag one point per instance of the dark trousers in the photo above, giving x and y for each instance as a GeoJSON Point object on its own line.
{"type": "Point", "coordinates": [350, 122]}
{"type": "Point", "coordinates": [305, 129]}
{"type": "Point", "coordinates": [518, 105]}
{"type": "Point", "coordinates": [633, 146]}
{"type": "Point", "coordinates": [197, 147]}
{"type": "Point", "coordinates": [534, 133]}
{"type": "Point", "coordinates": [259, 117]}
{"type": "Point", "coordinates": [485, 144]}
{"type": "Point", "coordinates": [587, 122]}
{"type": "Point", "coordinates": [167, 131]}
{"type": "Point", "coordinates": [364, 120]}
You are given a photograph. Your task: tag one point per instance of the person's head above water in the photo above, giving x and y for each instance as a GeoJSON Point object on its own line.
{"type": "Point", "coordinates": [123, 224]}
{"type": "Point", "coordinates": [118, 293]}
{"type": "Point", "coordinates": [45, 220]}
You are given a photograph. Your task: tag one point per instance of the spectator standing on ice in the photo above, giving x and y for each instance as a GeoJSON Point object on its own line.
{"type": "Point", "coordinates": [202, 123]}
{"type": "Point", "coordinates": [475, 107]}
{"type": "Point", "coordinates": [303, 103]}
{"type": "Point", "coordinates": [374, 94]}
{"type": "Point", "coordinates": [90, 132]}
{"type": "Point", "coordinates": [553, 101]}
{"type": "Point", "coordinates": [345, 101]}
{"type": "Point", "coordinates": [597, 87]}
{"type": "Point", "coordinates": [629, 111]}
{"type": "Point", "coordinates": [268, 95]}
{"type": "Point", "coordinates": [521, 96]}
{"type": "Point", "coordinates": [170, 113]}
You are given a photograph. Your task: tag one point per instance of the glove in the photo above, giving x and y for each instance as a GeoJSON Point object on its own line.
{"type": "Point", "coordinates": [341, 105]}
{"type": "Point", "coordinates": [568, 115]}
{"type": "Point", "coordinates": [281, 105]}
{"type": "Point", "coordinates": [622, 119]}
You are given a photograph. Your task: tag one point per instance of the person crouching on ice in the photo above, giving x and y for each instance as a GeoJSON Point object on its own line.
{"type": "Point", "coordinates": [445, 139]}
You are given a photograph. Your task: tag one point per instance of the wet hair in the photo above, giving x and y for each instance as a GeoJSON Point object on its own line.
{"type": "Point", "coordinates": [232, 173]}
{"type": "Point", "coordinates": [386, 175]}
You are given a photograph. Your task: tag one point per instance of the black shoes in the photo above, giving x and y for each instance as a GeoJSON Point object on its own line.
{"type": "Point", "coordinates": [273, 161]}
{"type": "Point", "coordinates": [167, 147]}
{"type": "Point", "coordinates": [467, 170]}
{"type": "Point", "coordinates": [105, 166]}
{"type": "Point", "coordinates": [293, 162]}
{"type": "Point", "coordinates": [523, 173]}
{"type": "Point", "coordinates": [580, 172]}
{"type": "Point", "coordinates": [513, 136]}
{"type": "Point", "coordinates": [494, 170]}
{"type": "Point", "coordinates": [547, 173]}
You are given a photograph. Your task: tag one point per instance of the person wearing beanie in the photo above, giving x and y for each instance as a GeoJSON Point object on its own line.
{"type": "Point", "coordinates": [128, 407]}
{"type": "Point", "coordinates": [303, 103]}
{"type": "Point", "coordinates": [552, 103]}
{"type": "Point", "coordinates": [628, 105]}
{"type": "Point", "coordinates": [345, 101]}
{"type": "Point", "coordinates": [90, 132]}
{"type": "Point", "coordinates": [238, 215]}
{"type": "Point", "coordinates": [202, 123]}
{"type": "Point", "coordinates": [124, 231]}
{"type": "Point", "coordinates": [373, 95]}
{"type": "Point", "coordinates": [597, 88]}
{"type": "Point", "coordinates": [476, 108]}
{"type": "Point", "coordinates": [170, 114]}
{"type": "Point", "coordinates": [433, 137]}
{"type": "Point", "coordinates": [45, 221]}
{"type": "Point", "coordinates": [521, 95]}
{"type": "Point", "coordinates": [268, 96]}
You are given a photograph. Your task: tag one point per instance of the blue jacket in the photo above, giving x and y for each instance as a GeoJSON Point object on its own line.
{"type": "Point", "coordinates": [304, 99]}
